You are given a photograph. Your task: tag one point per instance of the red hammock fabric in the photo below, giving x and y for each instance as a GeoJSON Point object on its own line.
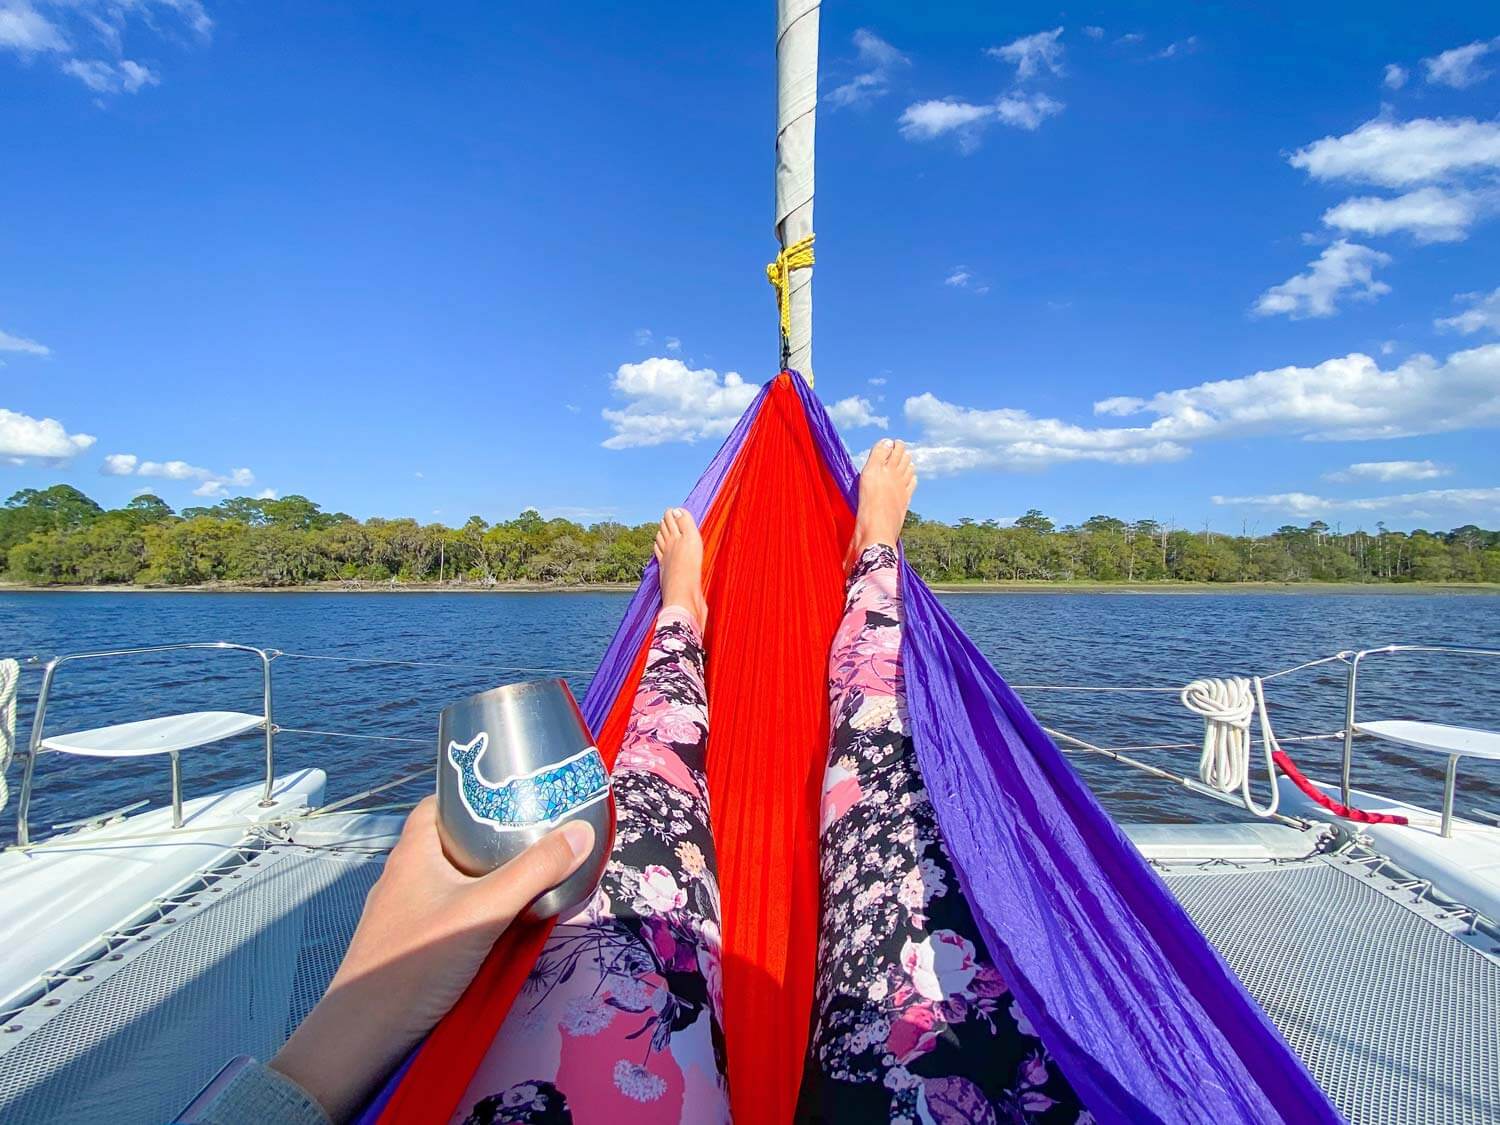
{"type": "Point", "coordinates": [774, 579]}
{"type": "Point", "coordinates": [1348, 812]}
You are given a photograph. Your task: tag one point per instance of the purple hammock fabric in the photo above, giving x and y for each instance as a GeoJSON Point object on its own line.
{"type": "Point", "coordinates": [1137, 1008]}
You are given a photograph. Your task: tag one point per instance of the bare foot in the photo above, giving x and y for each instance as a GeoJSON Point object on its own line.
{"type": "Point", "coordinates": [679, 553]}
{"type": "Point", "coordinates": [886, 484]}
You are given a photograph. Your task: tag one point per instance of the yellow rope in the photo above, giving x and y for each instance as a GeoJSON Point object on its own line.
{"type": "Point", "coordinates": [797, 256]}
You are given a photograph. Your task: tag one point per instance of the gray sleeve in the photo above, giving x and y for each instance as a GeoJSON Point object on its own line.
{"type": "Point", "coordinates": [258, 1095]}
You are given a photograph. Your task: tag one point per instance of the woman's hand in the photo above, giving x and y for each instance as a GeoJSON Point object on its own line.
{"type": "Point", "coordinates": [425, 930]}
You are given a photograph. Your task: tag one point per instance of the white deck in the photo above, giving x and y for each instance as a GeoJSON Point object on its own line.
{"type": "Point", "coordinates": [63, 894]}
{"type": "Point", "coordinates": [155, 736]}
{"type": "Point", "coordinates": [1466, 865]}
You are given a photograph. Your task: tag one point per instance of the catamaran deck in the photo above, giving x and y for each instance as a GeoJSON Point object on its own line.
{"type": "Point", "coordinates": [1392, 1004]}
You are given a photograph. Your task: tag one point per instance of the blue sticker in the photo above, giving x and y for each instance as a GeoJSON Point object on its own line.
{"type": "Point", "coordinates": [525, 800]}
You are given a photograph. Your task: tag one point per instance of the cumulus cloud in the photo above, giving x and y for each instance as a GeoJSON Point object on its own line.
{"type": "Point", "coordinates": [1386, 471]}
{"type": "Point", "coordinates": [1344, 269]}
{"type": "Point", "coordinates": [1350, 398]}
{"type": "Point", "coordinates": [1482, 314]}
{"type": "Point", "coordinates": [9, 343]}
{"type": "Point", "coordinates": [1400, 154]}
{"type": "Point", "coordinates": [1429, 214]}
{"type": "Point", "coordinates": [1410, 505]}
{"type": "Point", "coordinates": [925, 121]}
{"type": "Point", "coordinates": [119, 464]}
{"type": "Point", "coordinates": [878, 61]}
{"type": "Point", "coordinates": [959, 278]}
{"type": "Point", "coordinates": [673, 344]}
{"type": "Point", "coordinates": [210, 483]}
{"type": "Point", "coordinates": [856, 411]}
{"type": "Point", "coordinates": [1461, 67]}
{"type": "Point", "coordinates": [1032, 54]}
{"type": "Point", "coordinates": [666, 400]}
{"type": "Point", "coordinates": [1395, 76]}
{"type": "Point", "coordinates": [26, 31]}
{"type": "Point", "coordinates": [24, 438]}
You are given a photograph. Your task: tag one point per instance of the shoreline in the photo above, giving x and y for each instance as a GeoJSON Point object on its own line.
{"type": "Point", "coordinates": [1013, 587]}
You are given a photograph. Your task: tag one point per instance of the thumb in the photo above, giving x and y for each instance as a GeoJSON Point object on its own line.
{"type": "Point", "coordinates": [508, 890]}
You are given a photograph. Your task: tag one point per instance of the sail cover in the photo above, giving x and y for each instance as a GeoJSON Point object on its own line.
{"type": "Point", "coordinates": [1135, 1006]}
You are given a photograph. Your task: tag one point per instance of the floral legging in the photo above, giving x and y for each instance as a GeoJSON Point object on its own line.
{"type": "Point", "coordinates": [622, 1018]}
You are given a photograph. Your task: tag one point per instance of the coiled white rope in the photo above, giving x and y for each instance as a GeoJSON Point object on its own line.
{"type": "Point", "coordinates": [1228, 705]}
{"type": "Point", "coordinates": [10, 681]}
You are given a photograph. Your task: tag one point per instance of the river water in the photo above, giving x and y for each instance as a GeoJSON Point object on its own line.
{"type": "Point", "coordinates": [475, 641]}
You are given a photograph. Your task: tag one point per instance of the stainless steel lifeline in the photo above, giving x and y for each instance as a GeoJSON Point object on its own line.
{"type": "Point", "coordinates": [514, 763]}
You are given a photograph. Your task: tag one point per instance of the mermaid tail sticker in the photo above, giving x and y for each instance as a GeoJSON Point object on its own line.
{"type": "Point", "coordinates": [542, 797]}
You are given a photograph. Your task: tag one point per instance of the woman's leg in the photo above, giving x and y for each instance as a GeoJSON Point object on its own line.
{"type": "Point", "coordinates": [912, 1021]}
{"type": "Point", "coordinates": [621, 1021]}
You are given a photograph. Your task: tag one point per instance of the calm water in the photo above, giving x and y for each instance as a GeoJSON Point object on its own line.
{"type": "Point", "coordinates": [1113, 639]}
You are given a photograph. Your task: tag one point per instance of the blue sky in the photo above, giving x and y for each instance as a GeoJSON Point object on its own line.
{"type": "Point", "coordinates": [1199, 263]}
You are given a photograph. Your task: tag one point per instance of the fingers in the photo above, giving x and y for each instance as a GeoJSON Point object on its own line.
{"type": "Point", "coordinates": [538, 869]}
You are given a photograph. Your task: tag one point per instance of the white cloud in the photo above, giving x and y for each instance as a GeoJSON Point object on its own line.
{"type": "Point", "coordinates": [666, 400]}
{"type": "Point", "coordinates": [108, 78]}
{"type": "Point", "coordinates": [1345, 399]}
{"type": "Point", "coordinates": [26, 31]}
{"type": "Point", "coordinates": [23, 438]}
{"type": "Point", "coordinates": [1410, 505]}
{"type": "Point", "coordinates": [924, 121]}
{"type": "Point", "coordinates": [1429, 214]}
{"type": "Point", "coordinates": [1129, 38]}
{"type": "Point", "coordinates": [9, 343]}
{"type": "Point", "coordinates": [855, 411]}
{"type": "Point", "coordinates": [1395, 77]}
{"type": "Point", "coordinates": [1344, 268]}
{"type": "Point", "coordinates": [643, 337]}
{"type": "Point", "coordinates": [101, 77]}
{"type": "Point", "coordinates": [1389, 470]}
{"type": "Point", "coordinates": [119, 464]}
{"type": "Point", "coordinates": [1027, 111]}
{"type": "Point", "coordinates": [1031, 54]}
{"type": "Point", "coordinates": [1094, 32]}
{"type": "Point", "coordinates": [76, 31]}
{"type": "Point", "coordinates": [266, 494]}
{"type": "Point", "coordinates": [673, 344]}
{"type": "Point", "coordinates": [210, 483]}
{"type": "Point", "coordinates": [1180, 47]}
{"type": "Point", "coordinates": [877, 380]}
{"type": "Point", "coordinates": [1459, 67]}
{"type": "Point", "coordinates": [959, 278]}
{"type": "Point", "coordinates": [879, 61]}
{"type": "Point", "coordinates": [1483, 313]}
{"type": "Point", "coordinates": [1404, 153]}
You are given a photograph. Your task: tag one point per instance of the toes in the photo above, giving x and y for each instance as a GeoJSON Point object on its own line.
{"type": "Point", "coordinates": [682, 520]}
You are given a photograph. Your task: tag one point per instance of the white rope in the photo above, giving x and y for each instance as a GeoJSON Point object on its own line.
{"type": "Point", "coordinates": [1228, 705]}
{"type": "Point", "coordinates": [10, 681]}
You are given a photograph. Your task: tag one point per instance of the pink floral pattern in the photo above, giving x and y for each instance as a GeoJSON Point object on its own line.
{"type": "Point", "coordinates": [913, 1023]}
{"type": "Point", "coordinates": [622, 1018]}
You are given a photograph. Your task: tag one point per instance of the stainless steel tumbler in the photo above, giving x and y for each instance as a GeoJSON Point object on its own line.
{"type": "Point", "coordinates": [513, 764]}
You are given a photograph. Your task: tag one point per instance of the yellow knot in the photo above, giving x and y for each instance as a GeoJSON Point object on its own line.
{"type": "Point", "coordinates": [797, 256]}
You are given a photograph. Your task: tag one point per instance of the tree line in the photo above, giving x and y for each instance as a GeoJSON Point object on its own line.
{"type": "Point", "coordinates": [59, 536]}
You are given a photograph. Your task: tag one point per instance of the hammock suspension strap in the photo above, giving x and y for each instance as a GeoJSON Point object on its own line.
{"type": "Point", "coordinates": [797, 256]}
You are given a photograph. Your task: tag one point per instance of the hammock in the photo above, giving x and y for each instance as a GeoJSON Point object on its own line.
{"type": "Point", "coordinates": [1139, 1011]}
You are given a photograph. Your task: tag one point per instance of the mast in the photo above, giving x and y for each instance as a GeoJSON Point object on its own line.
{"type": "Point", "coordinates": [796, 121]}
